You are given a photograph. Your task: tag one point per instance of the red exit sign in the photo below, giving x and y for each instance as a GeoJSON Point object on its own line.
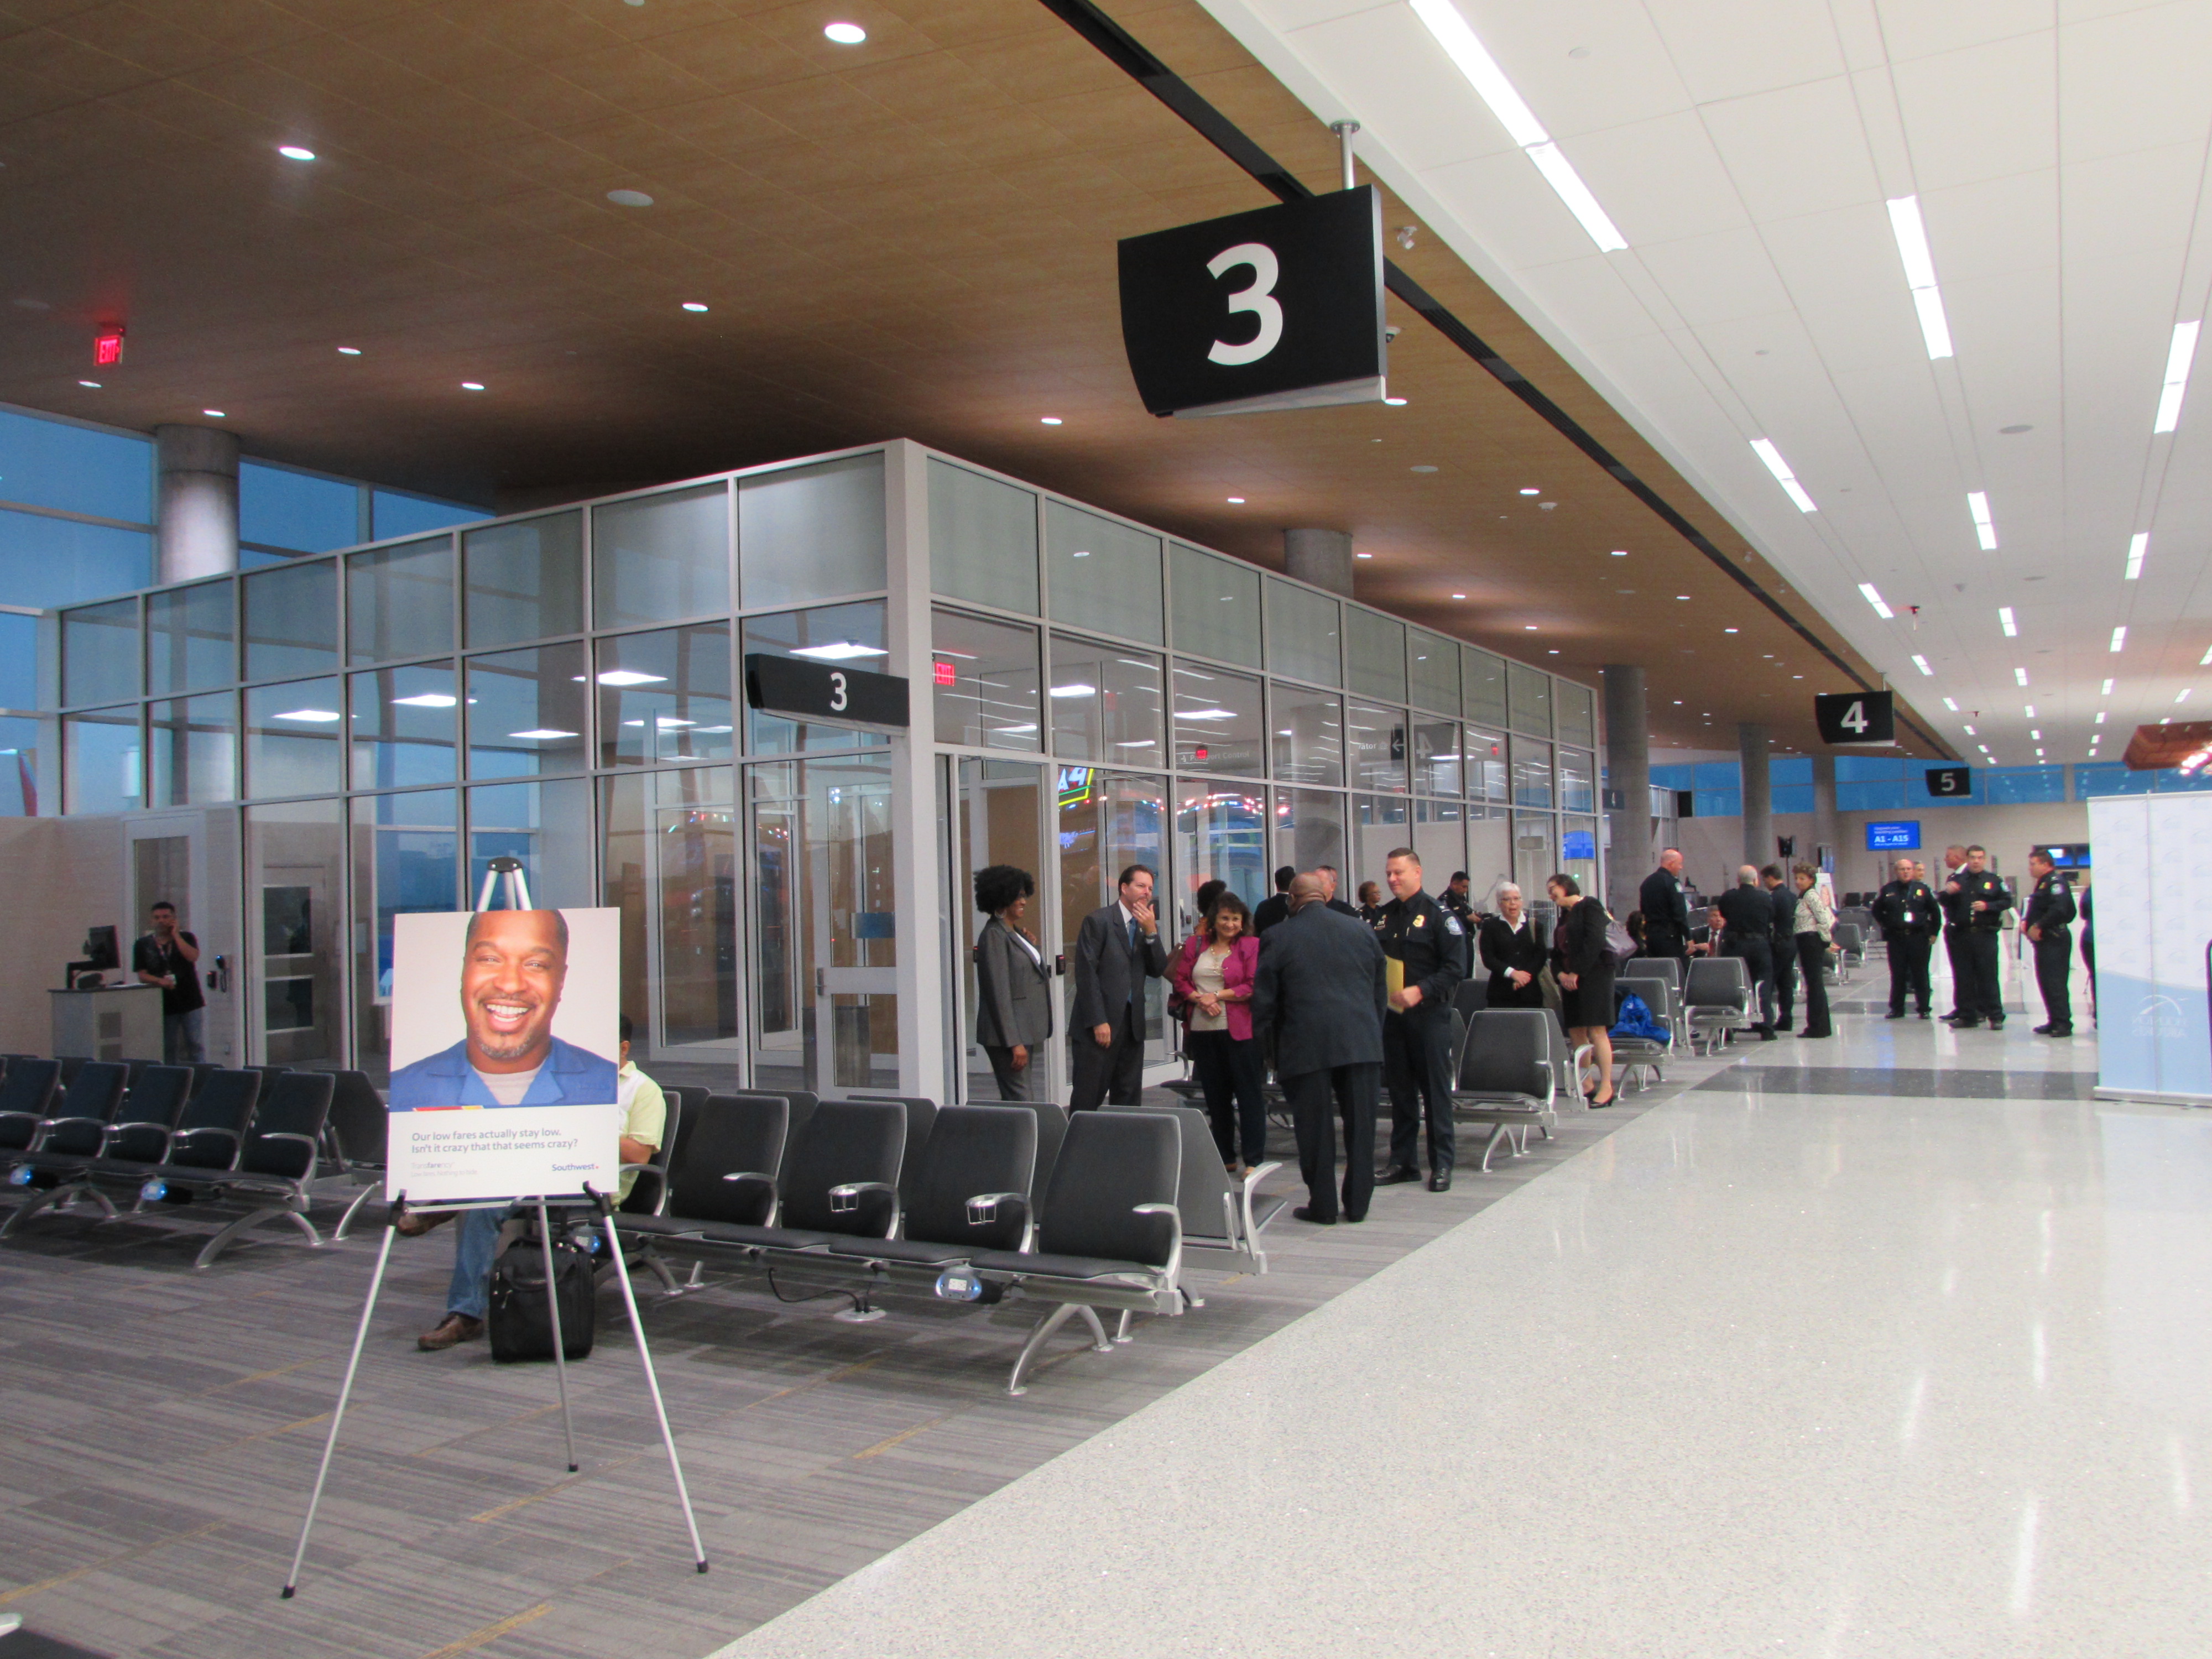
{"type": "Point", "coordinates": [108, 348]}
{"type": "Point", "coordinates": [946, 674]}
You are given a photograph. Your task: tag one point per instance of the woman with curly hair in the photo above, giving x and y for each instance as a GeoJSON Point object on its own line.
{"type": "Point", "coordinates": [1013, 983]}
{"type": "Point", "coordinates": [1212, 978]}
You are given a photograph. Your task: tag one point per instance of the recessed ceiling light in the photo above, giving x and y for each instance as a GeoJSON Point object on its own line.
{"type": "Point", "coordinates": [309, 716]}
{"type": "Point", "coordinates": [694, 305]}
{"type": "Point", "coordinates": [630, 677]}
{"type": "Point", "coordinates": [94, 384]}
{"type": "Point", "coordinates": [2005, 621]}
{"type": "Point", "coordinates": [1951, 704]}
{"type": "Point", "coordinates": [213, 414]}
{"type": "Point", "coordinates": [1620, 552]}
{"type": "Point", "coordinates": [1363, 556]}
{"type": "Point", "coordinates": [1528, 626]}
{"type": "Point", "coordinates": [472, 386]}
{"type": "Point", "coordinates": [846, 34]}
{"type": "Point", "coordinates": [840, 650]}
{"type": "Point", "coordinates": [349, 351]}
{"type": "Point", "coordinates": [2178, 356]}
{"type": "Point", "coordinates": [1048, 420]}
{"type": "Point", "coordinates": [2138, 545]}
{"type": "Point", "coordinates": [1873, 598]}
{"type": "Point", "coordinates": [1772, 457]}
{"type": "Point", "coordinates": [1728, 630]}
{"type": "Point", "coordinates": [1395, 402]}
{"type": "Point", "coordinates": [1424, 469]}
{"type": "Point", "coordinates": [1236, 501]}
{"type": "Point", "coordinates": [428, 700]}
{"type": "Point", "coordinates": [1555, 650]}
{"type": "Point", "coordinates": [1911, 236]}
{"type": "Point", "coordinates": [2020, 677]}
{"type": "Point", "coordinates": [2119, 643]}
{"type": "Point", "coordinates": [1681, 596]}
{"type": "Point", "coordinates": [1970, 732]}
{"type": "Point", "coordinates": [2029, 710]}
{"type": "Point", "coordinates": [295, 153]}
{"type": "Point", "coordinates": [1977, 503]}
{"type": "Point", "coordinates": [1678, 702]}
{"type": "Point", "coordinates": [1921, 663]}
{"type": "Point", "coordinates": [2034, 736]}
{"type": "Point", "coordinates": [2183, 694]}
{"type": "Point", "coordinates": [2102, 713]}
{"type": "Point", "coordinates": [635, 198]}
{"type": "Point", "coordinates": [1458, 596]}
{"type": "Point", "coordinates": [1796, 676]}
{"type": "Point", "coordinates": [1532, 492]}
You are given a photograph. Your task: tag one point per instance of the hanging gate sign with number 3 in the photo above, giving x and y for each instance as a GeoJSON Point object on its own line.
{"type": "Point", "coordinates": [1259, 299]}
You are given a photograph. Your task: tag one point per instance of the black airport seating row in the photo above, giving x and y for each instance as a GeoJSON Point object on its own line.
{"type": "Point", "coordinates": [266, 1142]}
{"type": "Point", "coordinates": [872, 1196]}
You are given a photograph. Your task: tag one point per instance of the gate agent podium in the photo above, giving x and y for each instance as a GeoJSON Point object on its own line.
{"type": "Point", "coordinates": [518, 895]}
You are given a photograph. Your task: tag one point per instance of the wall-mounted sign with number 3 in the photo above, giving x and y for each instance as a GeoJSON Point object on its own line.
{"type": "Point", "coordinates": [1259, 299]}
{"type": "Point", "coordinates": [1855, 717]}
{"type": "Point", "coordinates": [1278, 308]}
{"type": "Point", "coordinates": [839, 702]}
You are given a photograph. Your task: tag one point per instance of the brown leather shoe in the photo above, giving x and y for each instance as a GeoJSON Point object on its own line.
{"type": "Point", "coordinates": [457, 1327]}
{"type": "Point", "coordinates": [415, 1222]}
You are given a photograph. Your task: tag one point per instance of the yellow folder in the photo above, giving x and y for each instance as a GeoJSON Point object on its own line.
{"type": "Point", "coordinates": [1393, 975]}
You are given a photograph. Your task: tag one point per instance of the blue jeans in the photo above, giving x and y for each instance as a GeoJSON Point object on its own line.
{"type": "Point", "coordinates": [182, 1043]}
{"type": "Point", "coordinates": [476, 1241]}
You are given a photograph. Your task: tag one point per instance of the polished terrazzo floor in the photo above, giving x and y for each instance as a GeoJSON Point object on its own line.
{"type": "Point", "coordinates": [1786, 1365]}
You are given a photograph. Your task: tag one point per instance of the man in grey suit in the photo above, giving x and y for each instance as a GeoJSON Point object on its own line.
{"type": "Point", "coordinates": [1117, 948]}
{"type": "Point", "coordinates": [1320, 995]}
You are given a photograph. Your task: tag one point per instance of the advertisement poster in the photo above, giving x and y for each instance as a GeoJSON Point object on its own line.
{"type": "Point", "coordinates": [2154, 897]}
{"type": "Point", "coordinates": [504, 1048]}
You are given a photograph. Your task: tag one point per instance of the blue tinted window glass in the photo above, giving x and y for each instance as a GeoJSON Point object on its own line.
{"type": "Point", "coordinates": [2014, 785]}
{"type": "Point", "coordinates": [19, 768]}
{"type": "Point", "coordinates": [1720, 802]}
{"type": "Point", "coordinates": [291, 509]}
{"type": "Point", "coordinates": [254, 559]}
{"type": "Point", "coordinates": [19, 662]}
{"type": "Point", "coordinates": [1791, 769]}
{"type": "Point", "coordinates": [2108, 778]}
{"type": "Point", "coordinates": [56, 562]}
{"type": "Point", "coordinates": [47, 463]}
{"type": "Point", "coordinates": [1867, 769]}
{"type": "Point", "coordinates": [1868, 795]}
{"type": "Point", "coordinates": [1718, 774]}
{"type": "Point", "coordinates": [1793, 797]}
{"type": "Point", "coordinates": [411, 515]}
{"type": "Point", "coordinates": [1673, 777]}
{"type": "Point", "coordinates": [2173, 781]}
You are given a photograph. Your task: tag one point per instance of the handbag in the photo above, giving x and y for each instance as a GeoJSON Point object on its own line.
{"type": "Point", "coordinates": [519, 1324]}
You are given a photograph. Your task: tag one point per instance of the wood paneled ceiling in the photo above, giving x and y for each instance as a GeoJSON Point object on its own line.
{"type": "Point", "coordinates": [912, 237]}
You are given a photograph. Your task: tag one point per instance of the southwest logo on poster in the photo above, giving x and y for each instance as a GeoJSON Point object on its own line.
{"type": "Point", "coordinates": [2160, 1016]}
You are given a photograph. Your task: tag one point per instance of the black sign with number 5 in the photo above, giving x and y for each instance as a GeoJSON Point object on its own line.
{"type": "Point", "coordinates": [1950, 779]}
{"type": "Point", "coordinates": [1279, 309]}
{"type": "Point", "coordinates": [813, 690]}
{"type": "Point", "coordinates": [1855, 717]}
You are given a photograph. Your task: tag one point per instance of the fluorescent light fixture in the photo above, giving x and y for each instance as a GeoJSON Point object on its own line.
{"type": "Point", "coordinates": [2100, 716]}
{"type": "Point", "coordinates": [1977, 503]}
{"type": "Point", "coordinates": [2119, 642]}
{"type": "Point", "coordinates": [1970, 732]}
{"type": "Point", "coordinates": [2182, 695]}
{"type": "Point", "coordinates": [2005, 616]}
{"type": "Point", "coordinates": [2020, 677]}
{"type": "Point", "coordinates": [1950, 703]}
{"type": "Point", "coordinates": [2035, 736]}
{"type": "Point", "coordinates": [1881, 606]}
{"type": "Point", "coordinates": [667, 721]}
{"type": "Point", "coordinates": [1473, 60]}
{"type": "Point", "coordinates": [1206, 713]}
{"type": "Point", "coordinates": [2029, 711]}
{"type": "Point", "coordinates": [2204, 661]}
{"type": "Point", "coordinates": [541, 734]}
{"type": "Point", "coordinates": [2178, 357]}
{"type": "Point", "coordinates": [1921, 663]}
{"type": "Point", "coordinates": [295, 152]}
{"type": "Point", "coordinates": [1765, 449]}
{"type": "Point", "coordinates": [425, 700]}
{"type": "Point", "coordinates": [309, 716]}
{"type": "Point", "coordinates": [2138, 545]}
{"type": "Point", "coordinates": [630, 677]}
{"type": "Point", "coordinates": [1920, 273]}
{"type": "Point", "coordinates": [1077, 690]}
{"type": "Point", "coordinates": [2107, 691]}
{"type": "Point", "coordinates": [839, 651]}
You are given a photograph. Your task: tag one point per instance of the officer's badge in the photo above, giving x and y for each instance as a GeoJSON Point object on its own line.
{"type": "Point", "coordinates": [1420, 922]}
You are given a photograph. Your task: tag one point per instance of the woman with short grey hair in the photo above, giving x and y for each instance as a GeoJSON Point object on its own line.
{"type": "Point", "coordinates": [1512, 952]}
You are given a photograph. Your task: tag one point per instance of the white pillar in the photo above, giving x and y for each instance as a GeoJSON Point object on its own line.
{"type": "Point", "coordinates": [197, 518]}
{"type": "Point", "coordinates": [1322, 558]}
{"type": "Point", "coordinates": [916, 868]}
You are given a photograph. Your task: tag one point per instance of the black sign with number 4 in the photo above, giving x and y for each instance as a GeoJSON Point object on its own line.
{"type": "Point", "coordinates": [816, 691]}
{"type": "Point", "coordinates": [1278, 308]}
{"type": "Point", "coordinates": [1850, 717]}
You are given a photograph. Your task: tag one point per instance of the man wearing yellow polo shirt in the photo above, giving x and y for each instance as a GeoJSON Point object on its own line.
{"type": "Point", "coordinates": [645, 1114]}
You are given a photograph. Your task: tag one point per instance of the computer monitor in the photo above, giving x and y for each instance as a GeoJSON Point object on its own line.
{"type": "Point", "coordinates": [100, 949]}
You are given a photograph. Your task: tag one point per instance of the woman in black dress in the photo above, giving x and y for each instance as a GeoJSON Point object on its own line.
{"type": "Point", "coordinates": [1513, 953]}
{"type": "Point", "coordinates": [1583, 962]}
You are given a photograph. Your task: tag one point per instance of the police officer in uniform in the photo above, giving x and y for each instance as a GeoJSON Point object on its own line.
{"type": "Point", "coordinates": [1907, 912]}
{"type": "Point", "coordinates": [1456, 899]}
{"type": "Point", "coordinates": [1981, 899]}
{"type": "Point", "coordinates": [1666, 910]}
{"type": "Point", "coordinates": [2047, 924]}
{"type": "Point", "coordinates": [1432, 944]}
{"type": "Point", "coordinates": [1954, 908]}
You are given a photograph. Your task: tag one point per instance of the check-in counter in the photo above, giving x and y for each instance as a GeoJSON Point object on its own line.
{"type": "Point", "coordinates": [117, 1022]}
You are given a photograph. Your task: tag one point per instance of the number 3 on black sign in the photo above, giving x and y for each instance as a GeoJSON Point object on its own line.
{"type": "Point", "coordinates": [808, 690]}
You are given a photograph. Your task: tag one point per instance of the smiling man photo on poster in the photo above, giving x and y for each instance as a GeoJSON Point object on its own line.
{"type": "Point", "coordinates": [535, 993]}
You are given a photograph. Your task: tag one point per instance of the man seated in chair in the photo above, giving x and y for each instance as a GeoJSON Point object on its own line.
{"type": "Point", "coordinates": [513, 965]}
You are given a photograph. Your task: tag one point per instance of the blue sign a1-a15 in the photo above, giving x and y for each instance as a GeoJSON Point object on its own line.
{"type": "Point", "coordinates": [1577, 844]}
{"type": "Point", "coordinates": [1891, 837]}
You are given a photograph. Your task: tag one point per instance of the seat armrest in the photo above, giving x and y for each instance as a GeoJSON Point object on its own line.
{"type": "Point", "coordinates": [658, 1176]}
{"type": "Point", "coordinates": [774, 1204]}
{"type": "Point", "coordinates": [1174, 1268]}
{"type": "Point", "coordinates": [33, 1116]}
{"type": "Point", "coordinates": [1250, 1184]}
{"type": "Point", "coordinates": [845, 1199]}
{"type": "Point", "coordinates": [986, 1209]}
{"type": "Point", "coordinates": [57, 1122]}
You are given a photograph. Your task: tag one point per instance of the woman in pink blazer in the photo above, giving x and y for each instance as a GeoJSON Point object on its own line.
{"type": "Point", "coordinates": [1212, 975]}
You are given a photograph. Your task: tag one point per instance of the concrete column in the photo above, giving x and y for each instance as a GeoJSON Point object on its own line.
{"type": "Point", "coordinates": [1628, 771]}
{"type": "Point", "coordinates": [1322, 558]}
{"type": "Point", "coordinates": [1754, 751]}
{"type": "Point", "coordinates": [196, 518]}
{"type": "Point", "coordinates": [1826, 829]}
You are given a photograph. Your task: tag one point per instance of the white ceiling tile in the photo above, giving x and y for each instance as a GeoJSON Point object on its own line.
{"type": "Point", "coordinates": [2135, 203]}
{"type": "Point", "coordinates": [1505, 202]}
{"type": "Point", "coordinates": [1991, 226]}
{"type": "Point", "coordinates": [1286, 16]}
{"type": "Point", "coordinates": [2135, 80]}
{"type": "Point", "coordinates": [1913, 28]}
{"type": "Point", "coordinates": [1725, 274]}
{"type": "Point", "coordinates": [1982, 112]}
{"type": "Point", "coordinates": [1802, 149]}
{"type": "Point", "coordinates": [1623, 76]}
{"type": "Point", "coordinates": [1430, 115]}
{"type": "Point", "coordinates": [1658, 180]}
{"type": "Point", "coordinates": [1728, 48]}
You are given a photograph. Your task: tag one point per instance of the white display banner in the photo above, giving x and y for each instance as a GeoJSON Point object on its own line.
{"type": "Point", "coordinates": [504, 1051]}
{"type": "Point", "coordinates": [2153, 915]}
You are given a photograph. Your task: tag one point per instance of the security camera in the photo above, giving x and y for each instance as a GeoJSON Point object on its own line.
{"type": "Point", "coordinates": [1406, 237]}
{"type": "Point", "coordinates": [1391, 332]}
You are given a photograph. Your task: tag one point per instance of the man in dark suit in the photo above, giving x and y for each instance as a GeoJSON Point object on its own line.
{"type": "Point", "coordinates": [1318, 1000]}
{"type": "Point", "coordinates": [1666, 910]}
{"type": "Point", "coordinates": [1117, 948]}
{"type": "Point", "coordinates": [1746, 917]}
{"type": "Point", "coordinates": [1276, 906]}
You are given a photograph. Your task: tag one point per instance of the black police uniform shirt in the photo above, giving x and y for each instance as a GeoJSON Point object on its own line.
{"type": "Point", "coordinates": [1430, 941]}
{"type": "Point", "coordinates": [1988, 887]}
{"type": "Point", "coordinates": [1907, 906]}
{"type": "Point", "coordinates": [2050, 905]}
{"type": "Point", "coordinates": [1458, 903]}
{"type": "Point", "coordinates": [1665, 906]}
{"type": "Point", "coordinates": [148, 956]}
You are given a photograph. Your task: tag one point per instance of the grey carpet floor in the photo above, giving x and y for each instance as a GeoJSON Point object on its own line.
{"type": "Point", "coordinates": [165, 1426]}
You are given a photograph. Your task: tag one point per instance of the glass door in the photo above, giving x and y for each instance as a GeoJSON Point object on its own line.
{"type": "Point", "coordinates": [190, 859]}
{"type": "Point", "coordinates": [825, 955]}
{"type": "Point", "coordinates": [1000, 819]}
{"type": "Point", "coordinates": [672, 869]}
{"type": "Point", "coordinates": [1105, 821]}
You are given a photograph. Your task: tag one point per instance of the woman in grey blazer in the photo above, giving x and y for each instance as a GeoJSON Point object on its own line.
{"type": "Point", "coordinates": [1013, 984]}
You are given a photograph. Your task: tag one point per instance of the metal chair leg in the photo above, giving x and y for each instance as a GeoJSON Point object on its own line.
{"type": "Point", "coordinates": [1045, 1326]}
{"type": "Point", "coordinates": [223, 1240]}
